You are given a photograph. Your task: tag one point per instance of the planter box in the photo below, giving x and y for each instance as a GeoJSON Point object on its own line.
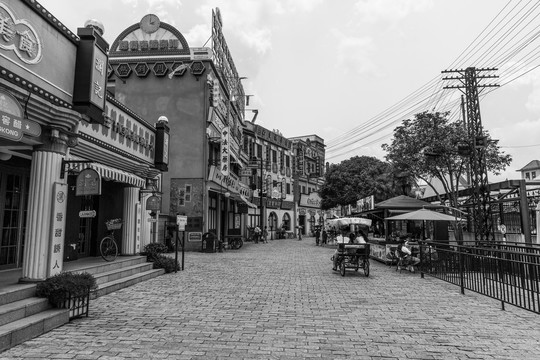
{"type": "Point", "coordinates": [78, 306]}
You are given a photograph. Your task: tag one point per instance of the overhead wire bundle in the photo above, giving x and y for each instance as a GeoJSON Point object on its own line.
{"type": "Point", "coordinates": [510, 43]}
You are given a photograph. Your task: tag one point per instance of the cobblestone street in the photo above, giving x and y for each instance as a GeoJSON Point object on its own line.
{"type": "Point", "coordinates": [282, 300]}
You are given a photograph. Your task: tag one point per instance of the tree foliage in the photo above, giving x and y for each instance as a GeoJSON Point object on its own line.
{"type": "Point", "coordinates": [359, 177]}
{"type": "Point", "coordinates": [426, 147]}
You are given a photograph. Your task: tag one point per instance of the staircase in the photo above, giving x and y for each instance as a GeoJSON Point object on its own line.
{"type": "Point", "coordinates": [24, 316]}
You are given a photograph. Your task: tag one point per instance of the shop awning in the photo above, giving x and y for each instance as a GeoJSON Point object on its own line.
{"type": "Point", "coordinates": [248, 203]}
{"type": "Point", "coordinates": [110, 173]}
{"type": "Point", "coordinates": [242, 198]}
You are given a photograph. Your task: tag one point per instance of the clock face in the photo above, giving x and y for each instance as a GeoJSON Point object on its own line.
{"type": "Point", "coordinates": [150, 23]}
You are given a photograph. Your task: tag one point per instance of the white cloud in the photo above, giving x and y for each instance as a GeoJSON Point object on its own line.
{"type": "Point", "coordinates": [198, 35]}
{"type": "Point", "coordinates": [353, 53]}
{"type": "Point", "coordinates": [375, 10]}
{"type": "Point", "coordinates": [252, 21]}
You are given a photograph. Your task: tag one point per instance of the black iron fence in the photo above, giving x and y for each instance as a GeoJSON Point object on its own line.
{"type": "Point", "coordinates": [509, 273]}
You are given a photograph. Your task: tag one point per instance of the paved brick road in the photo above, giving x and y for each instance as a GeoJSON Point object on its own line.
{"type": "Point", "coordinates": [282, 301]}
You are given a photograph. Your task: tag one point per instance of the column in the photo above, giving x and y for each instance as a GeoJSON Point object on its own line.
{"type": "Point", "coordinates": [129, 235]}
{"type": "Point", "coordinates": [45, 171]}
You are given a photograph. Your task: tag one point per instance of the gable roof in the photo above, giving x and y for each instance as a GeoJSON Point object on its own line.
{"type": "Point", "coordinates": [535, 164]}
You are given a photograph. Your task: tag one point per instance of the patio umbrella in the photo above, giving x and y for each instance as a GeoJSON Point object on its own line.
{"type": "Point", "coordinates": [424, 214]}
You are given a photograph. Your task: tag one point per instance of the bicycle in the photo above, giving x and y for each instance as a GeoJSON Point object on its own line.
{"type": "Point", "coordinates": [236, 242]}
{"type": "Point", "coordinates": [108, 248]}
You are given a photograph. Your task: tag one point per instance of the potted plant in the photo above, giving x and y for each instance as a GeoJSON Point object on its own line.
{"type": "Point", "coordinates": [68, 291]}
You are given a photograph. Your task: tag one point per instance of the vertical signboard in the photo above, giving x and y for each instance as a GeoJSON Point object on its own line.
{"type": "Point", "coordinates": [138, 212]}
{"type": "Point", "coordinates": [91, 74]}
{"type": "Point", "coordinates": [58, 225]}
{"type": "Point", "coordinates": [225, 162]}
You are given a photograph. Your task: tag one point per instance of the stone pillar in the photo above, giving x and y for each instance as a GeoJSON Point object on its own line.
{"type": "Point", "coordinates": [45, 171]}
{"type": "Point", "coordinates": [129, 235]}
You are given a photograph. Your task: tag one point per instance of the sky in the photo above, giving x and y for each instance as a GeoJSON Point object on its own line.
{"type": "Point", "coordinates": [336, 68]}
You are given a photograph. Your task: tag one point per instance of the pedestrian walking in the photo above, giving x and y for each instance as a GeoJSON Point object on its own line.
{"type": "Point", "coordinates": [317, 236]}
{"type": "Point", "coordinates": [299, 232]}
{"type": "Point", "coordinates": [265, 235]}
{"type": "Point", "coordinates": [257, 234]}
{"type": "Point", "coordinates": [324, 236]}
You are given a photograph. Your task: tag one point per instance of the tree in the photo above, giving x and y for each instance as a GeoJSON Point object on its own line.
{"type": "Point", "coordinates": [359, 177]}
{"type": "Point", "coordinates": [427, 147]}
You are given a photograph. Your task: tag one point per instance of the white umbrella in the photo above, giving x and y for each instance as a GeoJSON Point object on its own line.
{"type": "Point", "coordinates": [424, 214]}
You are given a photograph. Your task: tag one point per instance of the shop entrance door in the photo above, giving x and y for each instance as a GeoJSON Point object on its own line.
{"type": "Point", "coordinates": [13, 207]}
{"type": "Point", "coordinates": [85, 227]}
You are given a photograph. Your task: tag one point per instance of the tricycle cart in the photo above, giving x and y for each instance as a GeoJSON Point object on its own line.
{"type": "Point", "coordinates": [353, 256]}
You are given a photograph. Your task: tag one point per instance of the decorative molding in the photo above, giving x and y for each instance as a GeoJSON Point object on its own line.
{"type": "Point", "coordinates": [32, 88]}
{"type": "Point", "coordinates": [51, 20]}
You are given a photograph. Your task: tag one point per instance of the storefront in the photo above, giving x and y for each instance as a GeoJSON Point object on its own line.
{"type": "Point", "coordinates": [52, 128]}
{"type": "Point", "coordinates": [310, 215]}
{"type": "Point", "coordinates": [279, 218]}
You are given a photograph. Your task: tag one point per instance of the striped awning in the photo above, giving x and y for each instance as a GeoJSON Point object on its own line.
{"type": "Point", "coordinates": [109, 173]}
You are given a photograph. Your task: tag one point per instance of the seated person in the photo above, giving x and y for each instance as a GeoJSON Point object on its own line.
{"type": "Point", "coordinates": [405, 253]}
{"type": "Point", "coordinates": [353, 239]}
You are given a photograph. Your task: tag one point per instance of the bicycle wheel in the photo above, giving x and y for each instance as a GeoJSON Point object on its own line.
{"type": "Point", "coordinates": [108, 248]}
{"type": "Point", "coordinates": [239, 243]}
{"type": "Point", "coordinates": [366, 267]}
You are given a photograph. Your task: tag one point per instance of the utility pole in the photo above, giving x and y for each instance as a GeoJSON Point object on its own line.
{"type": "Point", "coordinates": [468, 79]}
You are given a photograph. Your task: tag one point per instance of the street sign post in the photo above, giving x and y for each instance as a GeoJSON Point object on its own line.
{"type": "Point", "coordinates": [181, 221]}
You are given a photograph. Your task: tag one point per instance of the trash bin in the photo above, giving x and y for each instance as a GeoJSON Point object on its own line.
{"type": "Point", "coordinates": [208, 242]}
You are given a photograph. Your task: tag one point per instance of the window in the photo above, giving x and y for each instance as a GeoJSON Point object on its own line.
{"type": "Point", "coordinates": [288, 188]}
{"type": "Point", "coordinates": [528, 176]}
{"type": "Point", "coordinates": [274, 156]}
{"type": "Point", "coordinates": [303, 189]}
{"type": "Point", "coordinates": [287, 161]}
{"type": "Point", "coordinates": [533, 175]}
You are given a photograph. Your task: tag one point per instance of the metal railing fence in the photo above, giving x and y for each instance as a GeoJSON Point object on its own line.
{"type": "Point", "coordinates": [508, 273]}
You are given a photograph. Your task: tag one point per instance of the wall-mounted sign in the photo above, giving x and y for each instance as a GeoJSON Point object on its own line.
{"type": "Point", "coordinates": [12, 123]}
{"type": "Point", "coordinates": [153, 203]}
{"type": "Point", "coordinates": [19, 36]}
{"type": "Point", "coordinates": [57, 234]}
{"type": "Point", "coordinates": [88, 183]}
{"type": "Point", "coordinates": [91, 74]}
{"type": "Point", "coordinates": [194, 236]}
{"type": "Point", "coordinates": [312, 200]}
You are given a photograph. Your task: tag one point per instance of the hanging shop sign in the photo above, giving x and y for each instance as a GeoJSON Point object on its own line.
{"type": "Point", "coordinates": [153, 203]}
{"type": "Point", "coordinates": [162, 146]}
{"type": "Point", "coordinates": [225, 147]}
{"type": "Point", "coordinates": [88, 183]}
{"type": "Point", "coordinates": [87, 214]}
{"type": "Point", "coordinates": [12, 123]}
{"type": "Point", "coordinates": [91, 74]}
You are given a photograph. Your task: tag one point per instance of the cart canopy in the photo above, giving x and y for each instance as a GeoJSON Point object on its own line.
{"type": "Point", "coordinates": [349, 221]}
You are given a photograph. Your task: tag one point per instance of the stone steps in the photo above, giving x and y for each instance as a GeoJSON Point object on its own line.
{"type": "Point", "coordinates": [24, 316]}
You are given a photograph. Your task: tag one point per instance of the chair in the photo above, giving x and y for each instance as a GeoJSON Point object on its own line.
{"type": "Point", "coordinates": [402, 260]}
{"type": "Point", "coordinates": [391, 257]}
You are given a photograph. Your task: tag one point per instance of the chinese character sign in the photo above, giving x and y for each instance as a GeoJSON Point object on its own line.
{"type": "Point", "coordinates": [57, 233]}
{"type": "Point", "coordinates": [19, 36]}
{"type": "Point", "coordinates": [99, 78]}
{"type": "Point", "coordinates": [224, 151]}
